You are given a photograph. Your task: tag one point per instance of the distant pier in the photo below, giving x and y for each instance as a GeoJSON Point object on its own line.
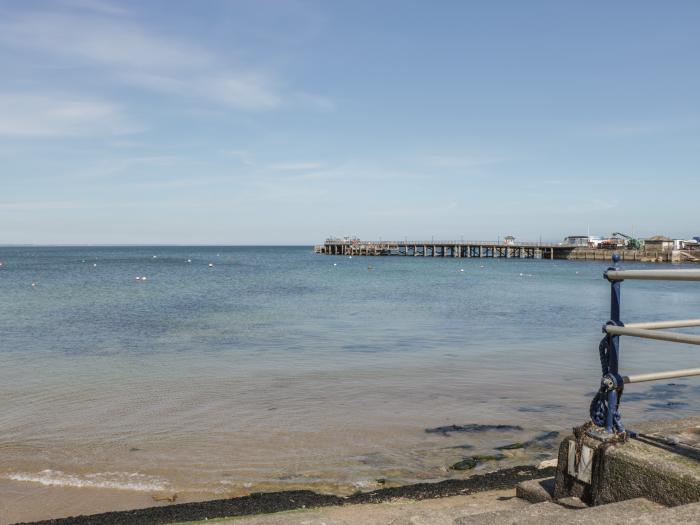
{"type": "Point", "coordinates": [458, 249]}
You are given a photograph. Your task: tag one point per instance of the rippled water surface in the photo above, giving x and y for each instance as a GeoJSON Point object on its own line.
{"type": "Point", "coordinates": [276, 367]}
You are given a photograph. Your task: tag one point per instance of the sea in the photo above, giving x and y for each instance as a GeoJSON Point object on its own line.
{"type": "Point", "coordinates": [223, 370]}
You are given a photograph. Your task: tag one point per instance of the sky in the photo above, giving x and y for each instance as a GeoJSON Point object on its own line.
{"type": "Point", "coordinates": [286, 122]}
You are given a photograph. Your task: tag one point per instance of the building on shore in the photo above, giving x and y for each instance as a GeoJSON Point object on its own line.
{"type": "Point", "coordinates": [658, 243]}
{"type": "Point", "coordinates": [686, 244]}
{"type": "Point", "coordinates": [583, 241]}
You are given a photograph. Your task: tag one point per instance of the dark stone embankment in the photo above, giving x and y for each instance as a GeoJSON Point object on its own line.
{"type": "Point", "coordinates": [265, 503]}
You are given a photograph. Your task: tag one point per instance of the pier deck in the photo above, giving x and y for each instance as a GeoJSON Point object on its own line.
{"type": "Point", "coordinates": [466, 249]}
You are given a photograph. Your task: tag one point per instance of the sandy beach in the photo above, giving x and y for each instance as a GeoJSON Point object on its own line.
{"type": "Point", "coordinates": [27, 502]}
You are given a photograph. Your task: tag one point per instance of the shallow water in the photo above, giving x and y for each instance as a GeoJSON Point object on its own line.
{"type": "Point", "coordinates": [280, 368]}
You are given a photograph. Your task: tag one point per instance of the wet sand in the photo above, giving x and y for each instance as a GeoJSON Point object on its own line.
{"type": "Point", "coordinates": [28, 502]}
{"type": "Point", "coordinates": [25, 503]}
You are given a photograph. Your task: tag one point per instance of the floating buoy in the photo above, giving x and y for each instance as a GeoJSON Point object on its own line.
{"type": "Point", "coordinates": [33, 285]}
{"type": "Point", "coordinates": [350, 257]}
{"type": "Point", "coordinates": [335, 264]}
{"type": "Point", "coordinates": [144, 278]}
{"type": "Point", "coordinates": [189, 260]}
{"type": "Point", "coordinates": [94, 265]}
{"type": "Point", "coordinates": [138, 278]}
{"type": "Point", "coordinates": [521, 274]}
{"type": "Point", "coordinates": [211, 265]}
{"type": "Point", "coordinates": [155, 256]}
{"type": "Point", "coordinates": [461, 269]}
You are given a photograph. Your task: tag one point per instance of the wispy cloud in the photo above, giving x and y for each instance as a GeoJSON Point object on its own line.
{"type": "Point", "coordinates": [296, 166]}
{"type": "Point", "coordinates": [461, 162]}
{"type": "Point", "coordinates": [626, 130]}
{"type": "Point", "coordinates": [639, 128]}
{"type": "Point", "coordinates": [52, 115]}
{"type": "Point", "coordinates": [38, 205]}
{"type": "Point", "coordinates": [136, 166]}
{"type": "Point", "coordinates": [242, 156]}
{"type": "Point", "coordinates": [250, 91]}
{"type": "Point", "coordinates": [99, 40]}
{"type": "Point", "coordinates": [98, 6]}
{"type": "Point", "coordinates": [97, 36]}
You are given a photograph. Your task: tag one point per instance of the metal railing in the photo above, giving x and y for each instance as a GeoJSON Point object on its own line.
{"type": "Point", "coordinates": [604, 410]}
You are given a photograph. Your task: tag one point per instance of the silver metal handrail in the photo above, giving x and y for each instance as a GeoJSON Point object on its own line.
{"type": "Point", "coordinates": [655, 376]}
{"type": "Point", "coordinates": [605, 406]}
{"type": "Point", "coordinates": [653, 275]}
{"type": "Point", "coordinates": [656, 325]}
{"type": "Point", "coordinates": [644, 333]}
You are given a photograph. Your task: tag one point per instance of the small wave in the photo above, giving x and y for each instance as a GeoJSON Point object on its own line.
{"type": "Point", "coordinates": [103, 480]}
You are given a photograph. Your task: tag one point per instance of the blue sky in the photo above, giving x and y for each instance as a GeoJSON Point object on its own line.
{"type": "Point", "coordinates": [283, 122]}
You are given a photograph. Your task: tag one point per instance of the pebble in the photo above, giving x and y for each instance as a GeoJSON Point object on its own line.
{"type": "Point", "coordinates": [547, 463]}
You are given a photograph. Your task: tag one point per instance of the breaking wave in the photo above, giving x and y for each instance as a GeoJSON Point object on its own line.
{"type": "Point", "coordinates": [103, 480]}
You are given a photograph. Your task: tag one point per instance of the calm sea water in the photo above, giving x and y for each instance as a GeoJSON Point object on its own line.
{"type": "Point", "coordinates": [278, 368]}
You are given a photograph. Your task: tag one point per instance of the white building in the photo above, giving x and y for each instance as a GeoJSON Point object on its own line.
{"type": "Point", "coordinates": [584, 241]}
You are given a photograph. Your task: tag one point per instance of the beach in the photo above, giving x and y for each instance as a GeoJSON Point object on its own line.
{"type": "Point", "coordinates": [277, 369]}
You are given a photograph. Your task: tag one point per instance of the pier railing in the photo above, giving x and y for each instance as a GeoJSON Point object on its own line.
{"type": "Point", "coordinates": [604, 410]}
{"type": "Point", "coordinates": [443, 243]}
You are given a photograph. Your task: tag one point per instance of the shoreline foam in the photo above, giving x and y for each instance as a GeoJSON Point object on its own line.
{"type": "Point", "coordinates": [261, 503]}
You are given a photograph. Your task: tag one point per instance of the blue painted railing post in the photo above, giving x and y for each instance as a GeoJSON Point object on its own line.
{"type": "Point", "coordinates": [613, 379]}
{"type": "Point", "coordinates": [613, 348]}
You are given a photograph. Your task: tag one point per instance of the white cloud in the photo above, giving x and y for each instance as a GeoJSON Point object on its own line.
{"type": "Point", "coordinates": [248, 91]}
{"type": "Point", "coordinates": [135, 56]}
{"type": "Point", "coordinates": [99, 40]}
{"type": "Point", "coordinates": [51, 115]}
